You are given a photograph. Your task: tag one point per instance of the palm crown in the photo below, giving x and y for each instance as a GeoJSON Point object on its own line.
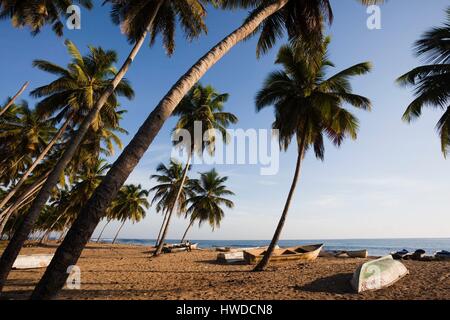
{"type": "Point", "coordinates": [134, 17]}
{"type": "Point", "coordinates": [35, 14]}
{"type": "Point", "coordinates": [432, 81]}
{"type": "Point", "coordinates": [308, 105]}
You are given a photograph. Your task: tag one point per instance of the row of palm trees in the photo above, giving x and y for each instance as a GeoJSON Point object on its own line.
{"type": "Point", "coordinates": [315, 111]}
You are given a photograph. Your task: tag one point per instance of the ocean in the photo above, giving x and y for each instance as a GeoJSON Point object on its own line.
{"type": "Point", "coordinates": [376, 247]}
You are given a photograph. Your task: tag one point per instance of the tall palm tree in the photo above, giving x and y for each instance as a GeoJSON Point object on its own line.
{"type": "Point", "coordinates": [432, 81]}
{"type": "Point", "coordinates": [210, 194]}
{"type": "Point", "coordinates": [13, 99]}
{"type": "Point", "coordinates": [299, 18]}
{"type": "Point", "coordinates": [308, 106]}
{"type": "Point", "coordinates": [72, 95]}
{"type": "Point", "coordinates": [131, 204]}
{"type": "Point", "coordinates": [170, 193]}
{"type": "Point", "coordinates": [35, 14]}
{"type": "Point", "coordinates": [202, 105]}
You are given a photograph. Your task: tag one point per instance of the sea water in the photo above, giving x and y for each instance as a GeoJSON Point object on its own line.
{"type": "Point", "coordinates": [376, 247]}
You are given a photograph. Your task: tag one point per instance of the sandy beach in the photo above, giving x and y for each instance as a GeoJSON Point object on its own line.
{"type": "Point", "coordinates": [118, 272]}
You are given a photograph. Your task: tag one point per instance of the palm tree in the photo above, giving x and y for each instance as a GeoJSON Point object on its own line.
{"type": "Point", "coordinates": [299, 18]}
{"type": "Point", "coordinates": [202, 105]}
{"type": "Point", "coordinates": [131, 204]}
{"type": "Point", "coordinates": [13, 99]}
{"type": "Point", "coordinates": [169, 192]}
{"type": "Point", "coordinates": [308, 105]}
{"type": "Point", "coordinates": [432, 81]}
{"type": "Point", "coordinates": [35, 14]}
{"type": "Point", "coordinates": [71, 97]}
{"type": "Point", "coordinates": [210, 192]}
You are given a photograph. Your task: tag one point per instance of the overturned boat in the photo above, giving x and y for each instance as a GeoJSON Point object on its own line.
{"type": "Point", "coordinates": [302, 253]}
{"type": "Point", "coordinates": [378, 274]}
{"type": "Point", "coordinates": [35, 261]}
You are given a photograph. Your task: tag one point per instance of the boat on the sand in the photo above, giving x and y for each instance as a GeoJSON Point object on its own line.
{"type": "Point", "coordinates": [378, 274]}
{"type": "Point", "coordinates": [344, 254]}
{"type": "Point", "coordinates": [179, 247]}
{"type": "Point", "coordinates": [35, 261]}
{"type": "Point", "coordinates": [230, 257]}
{"type": "Point", "coordinates": [302, 253]}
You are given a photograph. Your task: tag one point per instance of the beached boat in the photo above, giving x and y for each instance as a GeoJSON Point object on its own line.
{"type": "Point", "coordinates": [179, 247]}
{"type": "Point", "coordinates": [33, 261]}
{"type": "Point", "coordinates": [303, 253]}
{"type": "Point", "coordinates": [358, 254]}
{"type": "Point", "coordinates": [378, 274]}
{"type": "Point", "coordinates": [230, 257]}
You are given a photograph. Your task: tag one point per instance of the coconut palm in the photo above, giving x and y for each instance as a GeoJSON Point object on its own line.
{"type": "Point", "coordinates": [170, 193]}
{"type": "Point", "coordinates": [432, 81]}
{"type": "Point", "coordinates": [308, 105]}
{"type": "Point", "coordinates": [71, 97]}
{"type": "Point", "coordinates": [35, 14]}
{"type": "Point", "coordinates": [201, 108]}
{"type": "Point", "coordinates": [210, 194]}
{"type": "Point", "coordinates": [73, 93]}
{"type": "Point", "coordinates": [131, 204]}
{"type": "Point", "coordinates": [300, 19]}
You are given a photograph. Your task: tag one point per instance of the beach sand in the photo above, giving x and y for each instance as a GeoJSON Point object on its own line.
{"type": "Point", "coordinates": [126, 272]}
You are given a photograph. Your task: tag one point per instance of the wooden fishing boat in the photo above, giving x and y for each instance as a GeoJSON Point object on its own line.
{"type": "Point", "coordinates": [180, 247]}
{"type": "Point", "coordinates": [230, 257]}
{"type": "Point", "coordinates": [302, 253]}
{"type": "Point", "coordinates": [358, 254]}
{"type": "Point", "coordinates": [33, 261]}
{"type": "Point", "coordinates": [378, 274]}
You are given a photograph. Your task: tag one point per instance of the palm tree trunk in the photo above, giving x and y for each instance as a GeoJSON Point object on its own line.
{"type": "Point", "coordinates": [11, 102]}
{"type": "Point", "coordinates": [163, 225]}
{"type": "Point", "coordinates": [26, 195]}
{"type": "Point", "coordinates": [174, 204]}
{"type": "Point", "coordinates": [118, 231]}
{"type": "Point", "coordinates": [103, 229]}
{"type": "Point", "coordinates": [15, 245]}
{"type": "Point", "coordinates": [36, 162]}
{"type": "Point", "coordinates": [265, 260]}
{"type": "Point", "coordinates": [189, 227]}
{"type": "Point", "coordinates": [77, 238]}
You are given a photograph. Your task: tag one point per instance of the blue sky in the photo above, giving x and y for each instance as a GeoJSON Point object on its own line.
{"type": "Point", "coordinates": [392, 182]}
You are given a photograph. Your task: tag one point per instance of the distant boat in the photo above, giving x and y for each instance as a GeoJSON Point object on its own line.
{"type": "Point", "coordinates": [378, 274]}
{"type": "Point", "coordinates": [303, 253]}
{"type": "Point", "coordinates": [33, 261]}
{"type": "Point", "coordinates": [344, 254]}
{"type": "Point", "coordinates": [180, 247]}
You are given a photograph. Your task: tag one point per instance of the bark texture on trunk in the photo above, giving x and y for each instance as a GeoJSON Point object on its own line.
{"type": "Point", "coordinates": [21, 235]}
{"type": "Point", "coordinates": [174, 205]}
{"type": "Point", "coordinates": [11, 102]}
{"type": "Point", "coordinates": [80, 233]}
{"type": "Point", "coordinates": [265, 261]}
{"type": "Point", "coordinates": [41, 157]}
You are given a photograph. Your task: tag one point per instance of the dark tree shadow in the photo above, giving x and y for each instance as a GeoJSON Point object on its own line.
{"type": "Point", "coordinates": [337, 284]}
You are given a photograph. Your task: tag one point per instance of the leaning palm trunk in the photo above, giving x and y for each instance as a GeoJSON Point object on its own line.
{"type": "Point", "coordinates": [11, 102]}
{"type": "Point", "coordinates": [103, 230]}
{"type": "Point", "coordinates": [172, 209]}
{"type": "Point", "coordinates": [23, 199]}
{"type": "Point", "coordinates": [163, 225]}
{"type": "Point", "coordinates": [20, 236]}
{"type": "Point", "coordinates": [77, 238]}
{"type": "Point", "coordinates": [36, 162]}
{"type": "Point", "coordinates": [265, 260]}
{"type": "Point", "coordinates": [118, 231]}
{"type": "Point", "coordinates": [188, 228]}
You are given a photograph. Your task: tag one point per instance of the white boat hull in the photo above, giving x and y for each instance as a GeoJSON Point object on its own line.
{"type": "Point", "coordinates": [33, 261]}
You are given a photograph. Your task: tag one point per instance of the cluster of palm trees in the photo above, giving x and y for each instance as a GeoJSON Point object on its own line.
{"type": "Point", "coordinates": [308, 106]}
